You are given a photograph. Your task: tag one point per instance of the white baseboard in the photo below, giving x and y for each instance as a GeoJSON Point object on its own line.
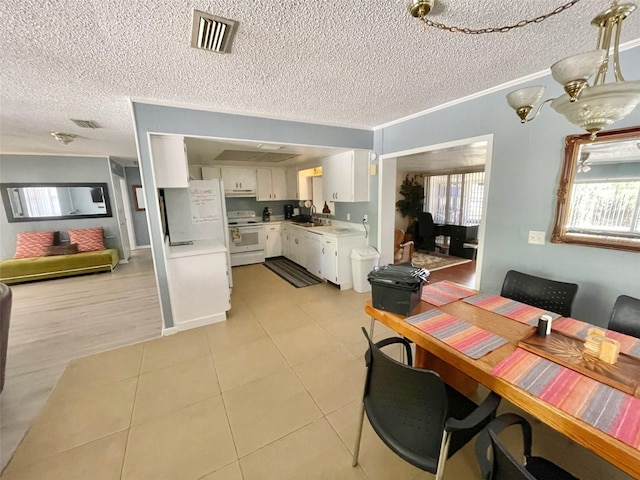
{"type": "Point", "coordinates": [198, 322]}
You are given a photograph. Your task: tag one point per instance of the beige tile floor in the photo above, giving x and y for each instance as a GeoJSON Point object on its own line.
{"type": "Point", "coordinates": [272, 393]}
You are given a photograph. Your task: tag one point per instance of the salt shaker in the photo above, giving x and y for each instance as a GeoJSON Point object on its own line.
{"type": "Point", "coordinates": [544, 325]}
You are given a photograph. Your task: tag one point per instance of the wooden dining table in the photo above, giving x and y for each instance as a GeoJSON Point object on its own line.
{"type": "Point", "coordinates": [464, 373]}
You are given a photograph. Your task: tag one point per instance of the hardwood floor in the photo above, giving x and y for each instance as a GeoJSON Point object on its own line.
{"type": "Point", "coordinates": [464, 274]}
{"type": "Point", "coordinates": [55, 321]}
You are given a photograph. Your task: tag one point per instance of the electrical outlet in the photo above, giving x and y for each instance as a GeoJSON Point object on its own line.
{"type": "Point", "coordinates": [348, 216]}
{"type": "Point", "coordinates": [536, 238]}
{"type": "Point", "coordinates": [365, 218]}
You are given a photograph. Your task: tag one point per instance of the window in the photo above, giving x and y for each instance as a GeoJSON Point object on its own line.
{"type": "Point", "coordinates": [455, 198]}
{"type": "Point", "coordinates": [41, 202]}
{"type": "Point", "coordinates": [605, 206]}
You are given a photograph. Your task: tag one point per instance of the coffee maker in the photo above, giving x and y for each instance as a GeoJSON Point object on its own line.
{"type": "Point", "coordinates": [288, 211]}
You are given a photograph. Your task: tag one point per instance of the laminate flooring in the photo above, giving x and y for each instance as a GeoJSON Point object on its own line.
{"type": "Point", "coordinates": [56, 321]}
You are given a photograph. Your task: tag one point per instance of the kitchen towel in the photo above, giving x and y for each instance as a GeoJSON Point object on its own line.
{"type": "Point", "coordinates": [444, 292]}
{"type": "Point", "coordinates": [463, 336]}
{"type": "Point", "coordinates": [236, 236]}
{"type": "Point", "coordinates": [509, 308]}
{"type": "Point", "coordinates": [606, 408]}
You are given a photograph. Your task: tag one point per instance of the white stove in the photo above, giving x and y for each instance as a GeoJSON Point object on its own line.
{"type": "Point", "coordinates": [246, 237]}
{"type": "Point", "coordinates": [243, 217]}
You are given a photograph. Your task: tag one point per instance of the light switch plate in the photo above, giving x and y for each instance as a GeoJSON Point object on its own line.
{"type": "Point", "coordinates": [536, 238]}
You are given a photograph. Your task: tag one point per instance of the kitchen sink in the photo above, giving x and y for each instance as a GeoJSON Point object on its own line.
{"type": "Point", "coordinates": [306, 224]}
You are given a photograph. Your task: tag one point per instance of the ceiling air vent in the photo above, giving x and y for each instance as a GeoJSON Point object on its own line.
{"type": "Point", "coordinates": [86, 123]}
{"type": "Point", "coordinates": [212, 33]}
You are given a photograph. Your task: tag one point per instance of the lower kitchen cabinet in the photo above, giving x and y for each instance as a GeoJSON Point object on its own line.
{"type": "Point", "coordinates": [330, 259]}
{"type": "Point", "coordinates": [273, 240]}
{"type": "Point", "coordinates": [314, 253]}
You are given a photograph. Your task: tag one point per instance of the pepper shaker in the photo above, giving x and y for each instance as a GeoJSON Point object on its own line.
{"type": "Point", "coordinates": [544, 325]}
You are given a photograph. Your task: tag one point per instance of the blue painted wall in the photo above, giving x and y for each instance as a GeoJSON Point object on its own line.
{"type": "Point", "coordinates": [138, 218]}
{"type": "Point", "coordinates": [525, 172]}
{"type": "Point", "coordinates": [52, 169]}
{"type": "Point", "coordinates": [161, 119]}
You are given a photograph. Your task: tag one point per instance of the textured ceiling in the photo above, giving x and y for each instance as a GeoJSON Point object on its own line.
{"type": "Point", "coordinates": [339, 62]}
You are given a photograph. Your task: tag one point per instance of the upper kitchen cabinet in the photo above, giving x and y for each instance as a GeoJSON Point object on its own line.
{"type": "Point", "coordinates": [169, 157]}
{"type": "Point", "coordinates": [239, 181]}
{"type": "Point", "coordinates": [345, 177]}
{"type": "Point", "coordinates": [209, 173]}
{"type": "Point", "coordinates": [272, 184]}
{"type": "Point", "coordinates": [291, 175]}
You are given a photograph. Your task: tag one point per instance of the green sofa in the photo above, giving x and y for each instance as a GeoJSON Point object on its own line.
{"type": "Point", "coordinates": [17, 270]}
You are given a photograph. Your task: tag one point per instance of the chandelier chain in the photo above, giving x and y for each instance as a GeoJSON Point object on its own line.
{"type": "Point", "coordinates": [504, 29]}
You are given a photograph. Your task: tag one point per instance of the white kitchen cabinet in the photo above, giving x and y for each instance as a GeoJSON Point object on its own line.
{"type": "Point", "coordinates": [346, 177]}
{"type": "Point", "coordinates": [169, 158]}
{"type": "Point", "coordinates": [313, 253]}
{"type": "Point", "coordinates": [201, 302]}
{"type": "Point", "coordinates": [209, 173]}
{"type": "Point", "coordinates": [271, 184]}
{"type": "Point", "coordinates": [336, 258]}
{"type": "Point", "coordinates": [291, 175]}
{"type": "Point", "coordinates": [273, 240]}
{"type": "Point", "coordinates": [330, 259]}
{"type": "Point", "coordinates": [239, 181]}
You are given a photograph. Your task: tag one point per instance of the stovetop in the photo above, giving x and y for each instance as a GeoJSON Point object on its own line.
{"type": "Point", "coordinates": [243, 217]}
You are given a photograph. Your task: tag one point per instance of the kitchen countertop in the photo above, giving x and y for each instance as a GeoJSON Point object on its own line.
{"type": "Point", "coordinates": [341, 229]}
{"type": "Point", "coordinates": [199, 247]}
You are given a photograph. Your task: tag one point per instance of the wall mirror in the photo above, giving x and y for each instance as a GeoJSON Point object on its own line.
{"type": "Point", "coordinates": [32, 202]}
{"type": "Point", "coordinates": [599, 192]}
{"type": "Point", "coordinates": [138, 197]}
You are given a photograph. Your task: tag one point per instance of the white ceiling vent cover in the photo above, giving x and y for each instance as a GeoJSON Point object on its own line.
{"type": "Point", "coordinates": [85, 123]}
{"type": "Point", "coordinates": [212, 33]}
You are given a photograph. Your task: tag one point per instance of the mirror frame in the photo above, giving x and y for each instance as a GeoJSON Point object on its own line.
{"type": "Point", "coordinates": [138, 198]}
{"type": "Point", "coordinates": [571, 152]}
{"type": "Point", "coordinates": [12, 219]}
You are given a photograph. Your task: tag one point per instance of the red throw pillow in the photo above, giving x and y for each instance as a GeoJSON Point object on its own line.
{"type": "Point", "coordinates": [88, 239]}
{"type": "Point", "coordinates": [33, 244]}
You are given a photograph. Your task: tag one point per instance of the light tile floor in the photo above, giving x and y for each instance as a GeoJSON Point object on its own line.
{"type": "Point", "coordinates": [272, 393]}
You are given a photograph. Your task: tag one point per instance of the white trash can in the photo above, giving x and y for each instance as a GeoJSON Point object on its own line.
{"type": "Point", "coordinates": [363, 259]}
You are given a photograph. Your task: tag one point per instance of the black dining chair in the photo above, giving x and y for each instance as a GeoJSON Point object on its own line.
{"type": "Point", "coordinates": [550, 295]}
{"type": "Point", "coordinates": [498, 463]}
{"type": "Point", "coordinates": [625, 317]}
{"type": "Point", "coordinates": [418, 416]}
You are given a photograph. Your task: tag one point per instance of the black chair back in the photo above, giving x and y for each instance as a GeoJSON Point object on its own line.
{"type": "Point", "coordinates": [549, 295]}
{"type": "Point", "coordinates": [403, 404]}
{"type": "Point", "coordinates": [420, 418]}
{"type": "Point", "coordinates": [625, 317]}
{"type": "Point", "coordinates": [498, 463]}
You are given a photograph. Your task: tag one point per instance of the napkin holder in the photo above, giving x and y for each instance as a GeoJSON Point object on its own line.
{"type": "Point", "coordinates": [598, 345]}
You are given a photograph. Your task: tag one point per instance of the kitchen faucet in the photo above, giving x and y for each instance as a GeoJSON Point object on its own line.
{"type": "Point", "coordinates": [312, 212]}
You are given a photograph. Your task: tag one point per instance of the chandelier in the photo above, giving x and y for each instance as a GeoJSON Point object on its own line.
{"type": "Point", "coordinates": [592, 107]}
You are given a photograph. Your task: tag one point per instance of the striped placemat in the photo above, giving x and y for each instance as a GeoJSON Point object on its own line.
{"type": "Point", "coordinates": [444, 292]}
{"type": "Point", "coordinates": [576, 328]}
{"type": "Point", "coordinates": [612, 411]}
{"type": "Point", "coordinates": [463, 336]}
{"type": "Point", "coordinates": [509, 308]}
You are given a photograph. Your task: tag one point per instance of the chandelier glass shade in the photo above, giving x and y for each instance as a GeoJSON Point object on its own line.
{"type": "Point", "coordinates": [591, 107]}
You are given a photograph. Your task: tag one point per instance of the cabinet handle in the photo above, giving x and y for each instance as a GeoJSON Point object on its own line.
{"type": "Point", "coordinates": [323, 250]}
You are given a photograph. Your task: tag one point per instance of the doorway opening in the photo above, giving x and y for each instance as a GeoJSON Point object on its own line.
{"type": "Point", "coordinates": [435, 161]}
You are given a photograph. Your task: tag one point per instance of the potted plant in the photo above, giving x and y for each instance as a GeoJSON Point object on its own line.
{"type": "Point", "coordinates": [411, 205]}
